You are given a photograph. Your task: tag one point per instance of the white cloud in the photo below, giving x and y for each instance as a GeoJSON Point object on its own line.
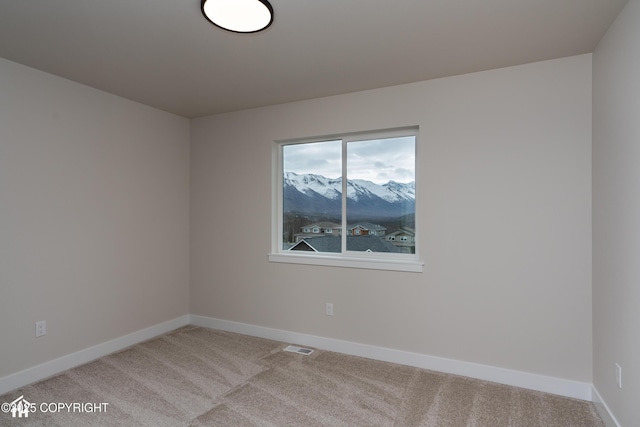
{"type": "Point", "coordinates": [379, 161]}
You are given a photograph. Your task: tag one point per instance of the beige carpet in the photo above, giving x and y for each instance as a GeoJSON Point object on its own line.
{"type": "Point", "coordinates": [201, 377]}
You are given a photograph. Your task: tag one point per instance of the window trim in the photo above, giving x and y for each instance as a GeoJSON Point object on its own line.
{"type": "Point", "coordinates": [348, 259]}
{"type": "Point", "coordinates": [371, 263]}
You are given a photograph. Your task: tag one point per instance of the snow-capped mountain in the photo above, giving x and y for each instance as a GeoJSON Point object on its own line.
{"type": "Point", "coordinates": [316, 194]}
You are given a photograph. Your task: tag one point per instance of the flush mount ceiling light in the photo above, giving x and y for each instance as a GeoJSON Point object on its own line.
{"type": "Point", "coordinates": [239, 16]}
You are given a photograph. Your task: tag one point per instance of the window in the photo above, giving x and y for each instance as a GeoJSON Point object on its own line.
{"type": "Point", "coordinates": [363, 183]}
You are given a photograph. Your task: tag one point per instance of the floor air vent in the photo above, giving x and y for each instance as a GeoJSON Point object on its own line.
{"type": "Point", "coordinates": [299, 350]}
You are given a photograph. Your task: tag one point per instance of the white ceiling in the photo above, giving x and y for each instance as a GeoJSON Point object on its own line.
{"type": "Point", "coordinates": [164, 53]}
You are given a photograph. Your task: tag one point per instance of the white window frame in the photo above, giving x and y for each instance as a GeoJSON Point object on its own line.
{"type": "Point", "coordinates": [350, 259]}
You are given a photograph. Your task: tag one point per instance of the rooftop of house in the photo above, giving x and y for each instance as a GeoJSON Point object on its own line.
{"type": "Point", "coordinates": [354, 243]}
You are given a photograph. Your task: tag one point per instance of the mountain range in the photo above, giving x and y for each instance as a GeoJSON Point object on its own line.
{"type": "Point", "coordinates": [316, 194]}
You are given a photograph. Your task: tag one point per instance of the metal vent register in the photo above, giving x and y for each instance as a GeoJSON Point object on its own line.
{"type": "Point", "coordinates": [299, 350]}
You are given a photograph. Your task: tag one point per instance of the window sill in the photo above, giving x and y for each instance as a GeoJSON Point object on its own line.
{"type": "Point", "coordinates": [413, 266]}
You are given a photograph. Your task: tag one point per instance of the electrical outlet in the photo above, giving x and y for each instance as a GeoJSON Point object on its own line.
{"type": "Point", "coordinates": [618, 375]}
{"type": "Point", "coordinates": [41, 328]}
{"type": "Point", "coordinates": [329, 309]}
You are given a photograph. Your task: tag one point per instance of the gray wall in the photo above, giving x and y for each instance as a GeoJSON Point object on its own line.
{"type": "Point", "coordinates": [616, 214]}
{"type": "Point", "coordinates": [95, 212]}
{"type": "Point", "coordinates": [94, 196]}
{"type": "Point", "coordinates": [504, 162]}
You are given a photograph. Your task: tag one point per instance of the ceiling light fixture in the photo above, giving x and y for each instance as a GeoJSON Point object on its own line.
{"type": "Point", "coordinates": [238, 16]}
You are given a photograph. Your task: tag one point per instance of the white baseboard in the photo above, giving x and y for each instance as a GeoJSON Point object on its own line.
{"type": "Point", "coordinates": [603, 409]}
{"type": "Point", "coordinates": [47, 369]}
{"type": "Point", "coordinates": [559, 386]}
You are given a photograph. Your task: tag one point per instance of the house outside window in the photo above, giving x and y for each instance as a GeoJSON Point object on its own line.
{"type": "Point", "coordinates": [365, 183]}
